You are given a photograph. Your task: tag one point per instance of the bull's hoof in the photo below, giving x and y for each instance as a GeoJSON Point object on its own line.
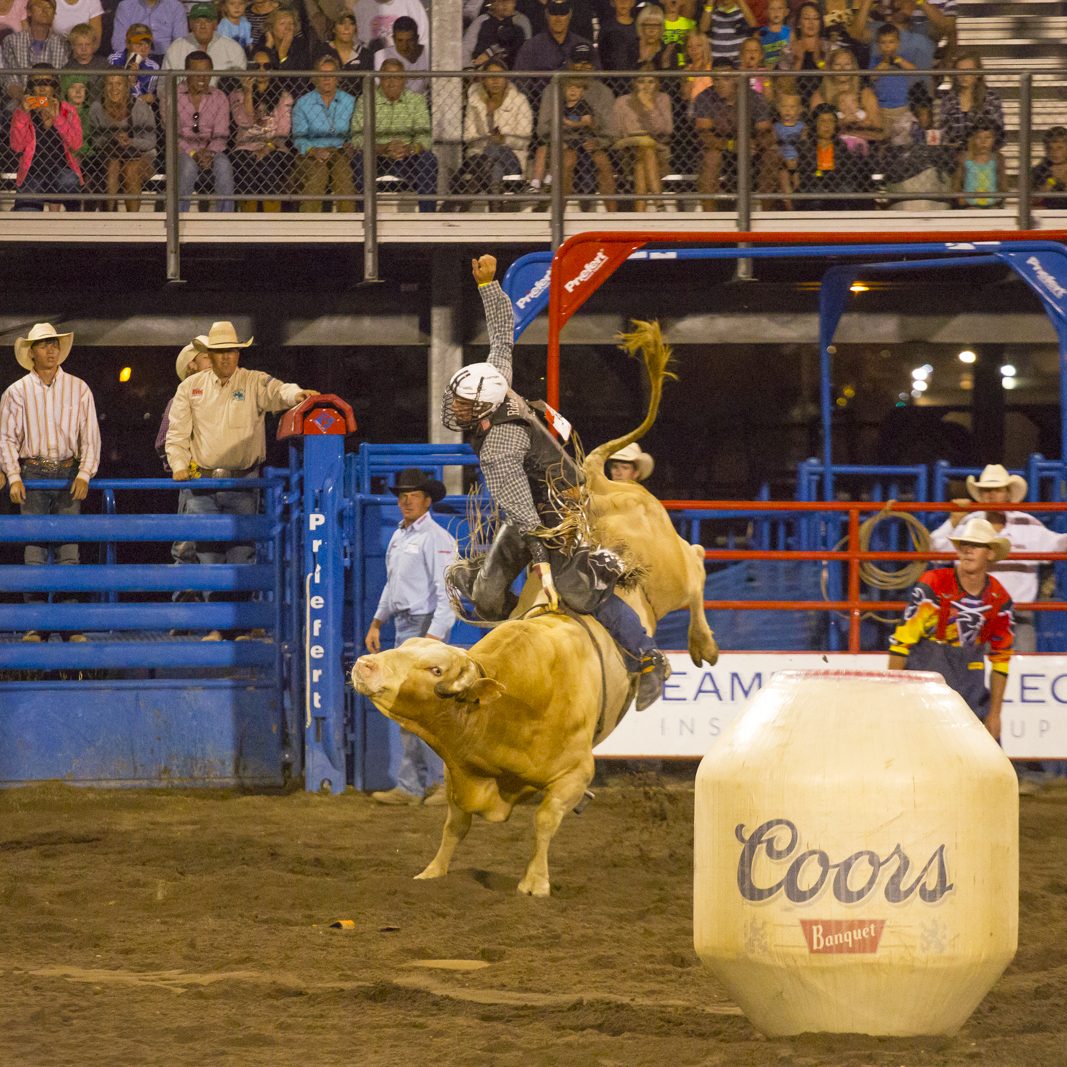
{"type": "Point", "coordinates": [432, 871]}
{"type": "Point", "coordinates": [704, 650]}
{"type": "Point", "coordinates": [535, 887]}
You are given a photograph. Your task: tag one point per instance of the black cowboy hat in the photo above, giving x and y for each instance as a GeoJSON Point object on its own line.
{"type": "Point", "coordinates": [412, 479]}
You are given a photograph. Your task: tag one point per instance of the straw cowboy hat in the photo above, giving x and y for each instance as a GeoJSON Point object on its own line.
{"type": "Point", "coordinates": [981, 532]}
{"type": "Point", "coordinates": [994, 476]}
{"type": "Point", "coordinates": [632, 454]}
{"type": "Point", "coordinates": [412, 479]}
{"type": "Point", "coordinates": [42, 331]}
{"type": "Point", "coordinates": [222, 337]}
{"type": "Point", "coordinates": [186, 356]}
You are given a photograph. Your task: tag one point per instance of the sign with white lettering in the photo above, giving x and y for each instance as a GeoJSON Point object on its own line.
{"type": "Point", "coordinates": [698, 703]}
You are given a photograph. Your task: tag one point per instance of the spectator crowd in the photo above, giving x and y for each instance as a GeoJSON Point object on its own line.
{"type": "Point", "coordinates": [839, 111]}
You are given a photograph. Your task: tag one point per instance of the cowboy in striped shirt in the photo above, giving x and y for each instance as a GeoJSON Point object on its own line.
{"type": "Point", "coordinates": [48, 429]}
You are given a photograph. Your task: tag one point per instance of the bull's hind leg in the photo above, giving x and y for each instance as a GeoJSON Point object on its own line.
{"type": "Point", "coordinates": [457, 823]}
{"type": "Point", "coordinates": [560, 797]}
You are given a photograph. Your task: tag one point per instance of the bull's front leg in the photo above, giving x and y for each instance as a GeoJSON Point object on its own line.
{"type": "Point", "coordinates": [457, 823]}
{"type": "Point", "coordinates": [560, 797]}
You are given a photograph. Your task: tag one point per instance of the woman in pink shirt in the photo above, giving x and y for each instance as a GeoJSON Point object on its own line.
{"type": "Point", "coordinates": [262, 110]}
{"type": "Point", "coordinates": [45, 133]}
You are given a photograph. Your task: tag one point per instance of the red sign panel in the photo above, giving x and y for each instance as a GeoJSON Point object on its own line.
{"type": "Point", "coordinates": [840, 936]}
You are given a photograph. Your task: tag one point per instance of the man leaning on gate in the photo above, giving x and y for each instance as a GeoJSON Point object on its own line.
{"type": "Point", "coordinates": [217, 430]}
{"type": "Point", "coordinates": [48, 429]}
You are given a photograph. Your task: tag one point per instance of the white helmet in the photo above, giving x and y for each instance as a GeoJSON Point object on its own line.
{"type": "Point", "coordinates": [480, 383]}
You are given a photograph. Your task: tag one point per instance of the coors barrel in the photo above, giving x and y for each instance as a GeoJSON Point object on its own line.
{"type": "Point", "coordinates": [856, 856]}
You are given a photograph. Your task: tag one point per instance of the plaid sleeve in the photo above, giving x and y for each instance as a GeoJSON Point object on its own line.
{"type": "Point", "coordinates": [500, 324]}
{"type": "Point", "coordinates": [501, 457]}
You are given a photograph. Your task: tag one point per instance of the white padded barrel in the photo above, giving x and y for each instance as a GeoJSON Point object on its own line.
{"type": "Point", "coordinates": [856, 856]}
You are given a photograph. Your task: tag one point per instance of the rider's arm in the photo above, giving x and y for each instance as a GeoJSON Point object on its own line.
{"type": "Point", "coordinates": [500, 323]}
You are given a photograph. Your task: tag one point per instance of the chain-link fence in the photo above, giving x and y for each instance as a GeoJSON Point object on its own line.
{"type": "Point", "coordinates": [496, 141]}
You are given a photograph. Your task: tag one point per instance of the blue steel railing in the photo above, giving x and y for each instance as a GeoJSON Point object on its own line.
{"type": "Point", "coordinates": [107, 617]}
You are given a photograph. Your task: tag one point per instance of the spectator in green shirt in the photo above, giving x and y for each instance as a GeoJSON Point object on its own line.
{"type": "Point", "coordinates": [401, 135]}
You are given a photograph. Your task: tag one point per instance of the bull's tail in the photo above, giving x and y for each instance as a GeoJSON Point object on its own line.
{"type": "Point", "coordinates": [656, 354]}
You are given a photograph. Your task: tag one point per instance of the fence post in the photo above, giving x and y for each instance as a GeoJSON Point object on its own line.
{"type": "Point", "coordinates": [370, 184]}
{"type": "Point", "coordinates": [321, 423]}
{"type": "Point", "coordinates": [743, 268]}
{"type": "Point", "coordinates": [555, 160]}
{"type": "Point", "coordinates": [1026, 101]}
{"type": "Point", "coordinates": [170, 132]}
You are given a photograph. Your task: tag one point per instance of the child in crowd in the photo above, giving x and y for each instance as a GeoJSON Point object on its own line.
{"type": "Point", "coordinates": [775, 37]}
{"type": "Point", "coordinates": [83, 57]}
{"type": "Point", "coordinates": [789, 131]}
{"type": "Point", "coordinates": [233, 23]}
{"type": "Point", "coordinates": [580, 138]}
{"type": "Point", "coordinates": [1050, 175]}
{"type": "Point", "coordinates": [891, 88]}
{"type": "Point", "coordinates": [137, 56]}
{"type": "Point", "coordinates": [728, 22]}
{"type": "Point", "coordinates": [76, 93]}
{"type": "Point", "coordinates": [981, 171]}
{"type": "Point", "coordinates": [676, 28]}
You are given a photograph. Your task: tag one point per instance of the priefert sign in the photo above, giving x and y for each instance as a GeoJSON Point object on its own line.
{"type": "Point", "coordinates": [856, 858]}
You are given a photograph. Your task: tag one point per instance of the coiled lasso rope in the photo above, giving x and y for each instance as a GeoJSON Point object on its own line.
{"type": "Point", "coordinates": [878, 577]}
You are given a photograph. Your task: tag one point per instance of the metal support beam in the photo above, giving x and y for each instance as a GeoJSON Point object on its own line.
{"type": "Point", "coordinates": [445, 356]}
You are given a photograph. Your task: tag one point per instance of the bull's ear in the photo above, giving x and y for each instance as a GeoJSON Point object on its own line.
{"type": "Point", "coordinates": [484, 691]}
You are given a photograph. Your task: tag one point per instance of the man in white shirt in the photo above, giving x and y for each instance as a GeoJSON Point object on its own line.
{"type": "Point", "coordinates": [48, 429]}
{"type": "Point", "coordinates": [416, 599]}
{"type": "Point", "coordinates": [375, 18]}
{"type": "Point", "coordinates": [226, 54]}
{"type": "Point", "coordinates": [217, 430]}
{"type": "Point", "coordinates": [996, 487]}
{"type": "Point", "coordinates": [407, 50]}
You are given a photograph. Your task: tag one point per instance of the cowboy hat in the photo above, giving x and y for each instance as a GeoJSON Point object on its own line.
{"type": "Point", "coordinates": [981, 532]}
{"type": "Point", "coordinates": [42, 331]}
{"type": "Point", "coordinates": [632, 454]}
{"type": "Point", "coordinates": [186, 357]}
{"type": "Point", "coordinates": [412, 479]}
{"type": "Point", "coordinates": [222, 337]}
{"type": "Point", "coordinates": [994, 476]}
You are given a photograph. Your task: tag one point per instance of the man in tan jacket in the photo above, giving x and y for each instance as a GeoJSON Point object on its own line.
{"type": "Point", "coordinates": [217, 430]}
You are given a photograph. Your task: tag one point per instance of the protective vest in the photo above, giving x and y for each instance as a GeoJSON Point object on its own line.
{"type": "Point", "coordinates": [546, 461]}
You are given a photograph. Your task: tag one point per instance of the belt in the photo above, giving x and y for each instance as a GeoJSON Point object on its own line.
{"type": "Point", "coordinates": [226, 472]}
{"type": "Point", "coordinates": [49, 466]}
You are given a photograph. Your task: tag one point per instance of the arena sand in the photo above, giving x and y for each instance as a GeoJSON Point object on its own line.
{"type": "Point", "coordinates": [193, 928]}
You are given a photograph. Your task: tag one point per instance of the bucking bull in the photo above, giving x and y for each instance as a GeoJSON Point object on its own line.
{"type": "Point", "coordinates": [520, 713]}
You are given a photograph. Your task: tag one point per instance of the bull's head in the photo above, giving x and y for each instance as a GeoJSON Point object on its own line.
{"type": "Point", "coordinates": [413, 680]}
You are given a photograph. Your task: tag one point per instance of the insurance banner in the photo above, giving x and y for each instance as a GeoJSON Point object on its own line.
{"type": "Point", "coordinates": [698, 703]}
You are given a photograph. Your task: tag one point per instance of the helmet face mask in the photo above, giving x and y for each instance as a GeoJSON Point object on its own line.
{"type": "Point", "coordinates": [473, 393]}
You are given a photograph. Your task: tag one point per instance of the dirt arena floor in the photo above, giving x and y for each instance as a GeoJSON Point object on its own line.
{"type": "Point", "coordinates": [194, 928]}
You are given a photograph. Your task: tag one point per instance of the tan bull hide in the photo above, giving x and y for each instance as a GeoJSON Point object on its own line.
{"type": "Point", "coordinates": [515, 716]}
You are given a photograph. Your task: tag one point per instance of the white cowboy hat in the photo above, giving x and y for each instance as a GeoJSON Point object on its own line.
{"type": "Point", "coordinates": [222, 337]}
{"type": "Point", "coordinates": [42, 331]}
{"type": "Point", "coordinates": [994, 476]}
{"type": "Point", "coordinates": [632, 454]}
{"type": "Point", "coordinates": [186, 356]}
{"type": "Point", "coordinates": [981, 532]}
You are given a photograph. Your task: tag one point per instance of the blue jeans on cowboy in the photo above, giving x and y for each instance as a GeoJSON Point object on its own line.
{"type": "Point", "coordinates": [420, 767]}
{"type": "Point", "coordinates": [223, 502]}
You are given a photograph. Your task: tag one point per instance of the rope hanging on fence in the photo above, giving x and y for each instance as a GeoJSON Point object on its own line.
{"type": "Point", "coordinates": [879, 577]}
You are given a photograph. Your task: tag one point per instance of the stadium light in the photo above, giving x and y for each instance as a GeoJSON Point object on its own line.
{"type": "Point", "coordinates": [920, 374]}
{"type": "Point", "coordinates": [967, 356]}
{"type": "Point", "coordinates": [1009, 382]}
{"type": "Point", "coordinates": [1008, 370]}
{"type": "Point", "coordinates": [920, 385]}
{"type": "Point", "coordinates": [125, 374]}
{"type": "Point", "coordinates": [859, 287]}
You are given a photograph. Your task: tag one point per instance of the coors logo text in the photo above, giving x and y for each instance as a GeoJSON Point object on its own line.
{"type": "Point", "coordinates": [804, 875]}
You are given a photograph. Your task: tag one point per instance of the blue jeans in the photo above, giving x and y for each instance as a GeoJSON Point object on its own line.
{"type": "Point", "coordinates": [64, 181]}
{"type": "Point", "coordinates": [223, 502]}
{"type": "Point", "coordinates": [221, 171]}
{"type": "Point", "coordinates": [420, 767]}
{"type": "Point", "coordinates": [419, 170]}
